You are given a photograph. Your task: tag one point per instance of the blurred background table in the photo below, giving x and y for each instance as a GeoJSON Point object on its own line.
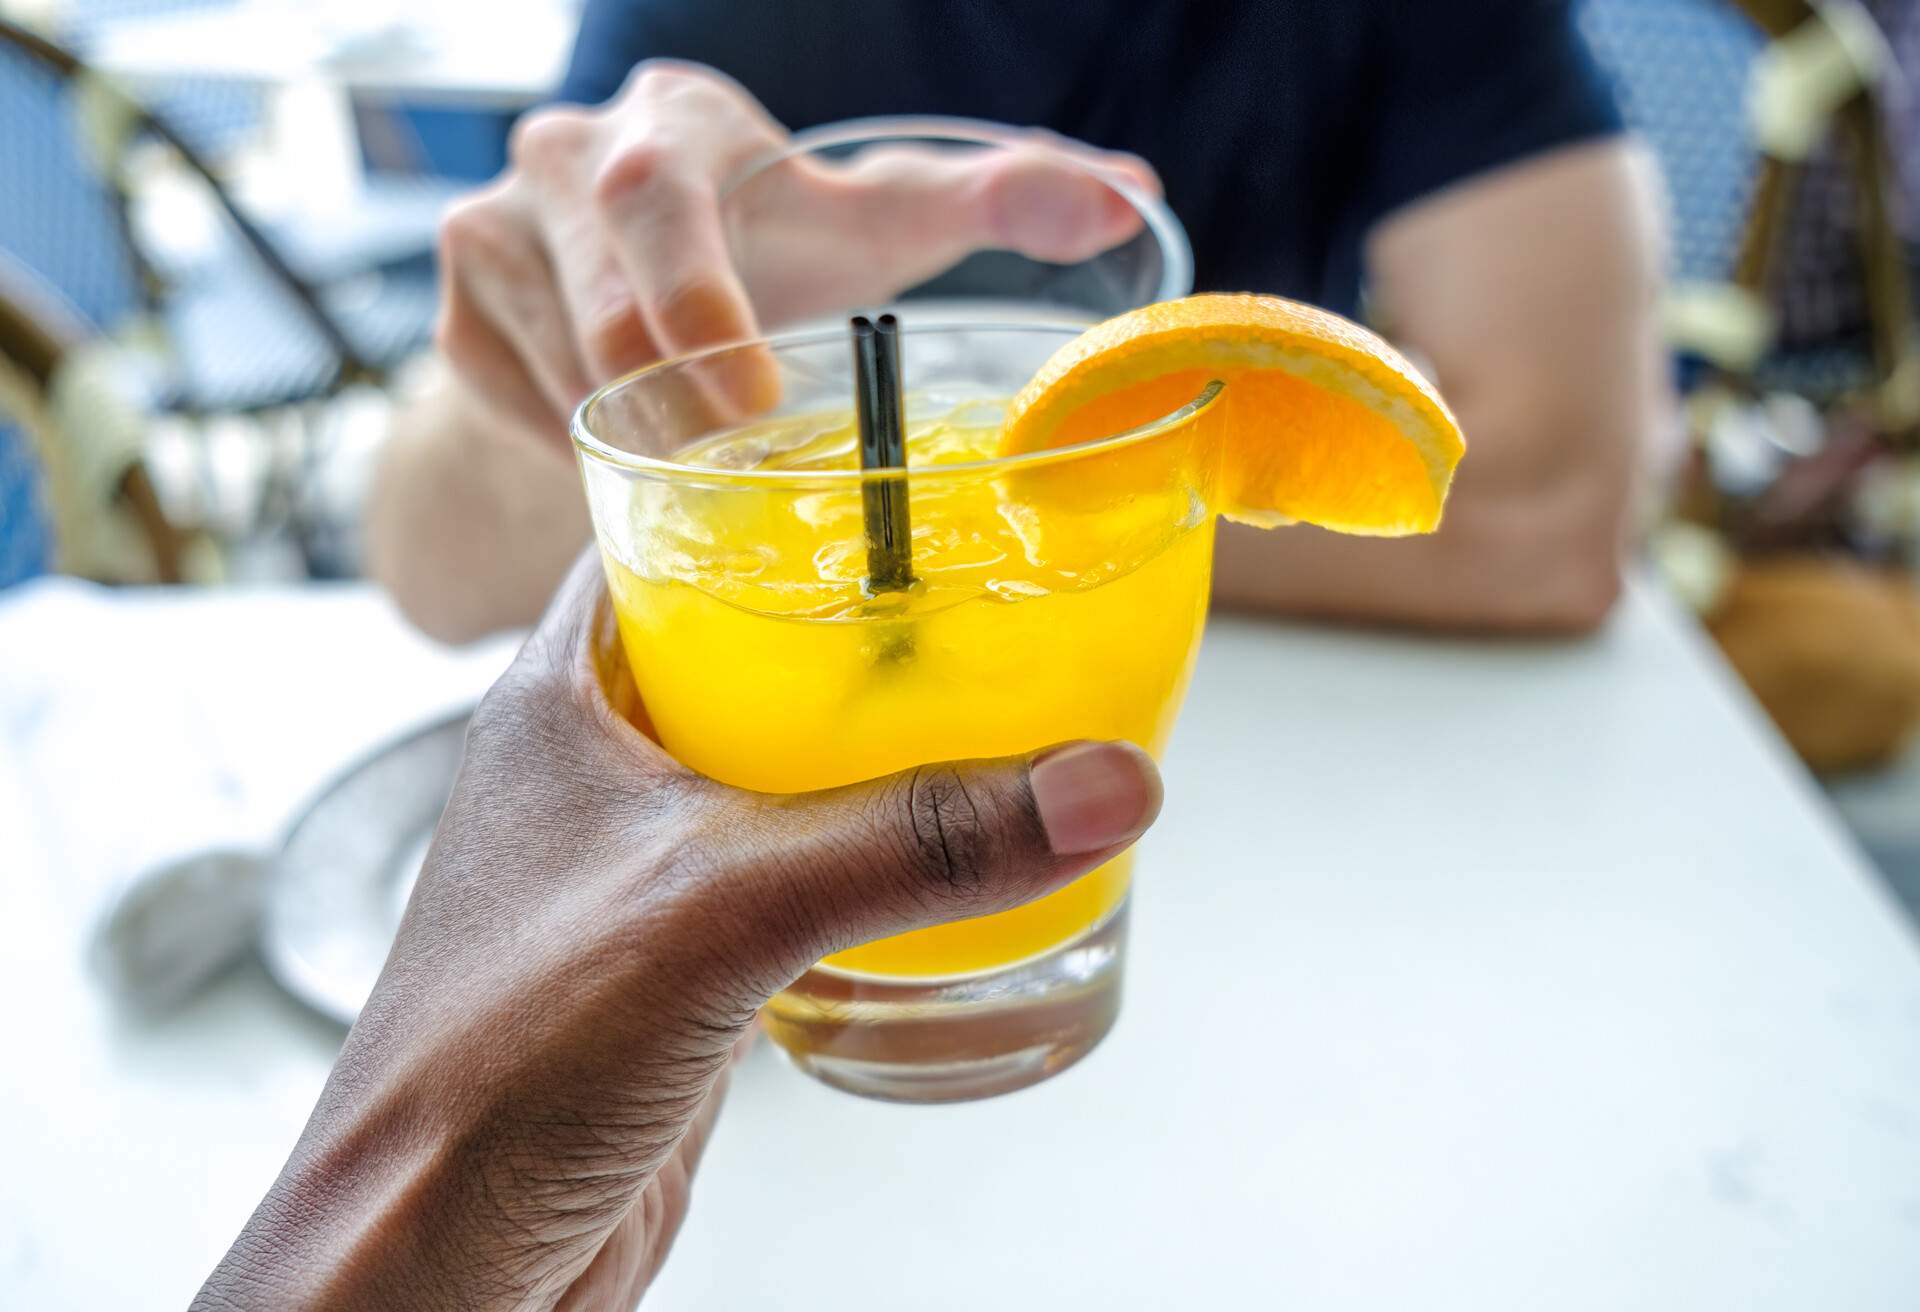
{"type": "Point", "coordinates": [1578, 997]}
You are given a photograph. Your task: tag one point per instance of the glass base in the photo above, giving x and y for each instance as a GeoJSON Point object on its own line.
{"type": "Point", "coordinates": [957, 1039]}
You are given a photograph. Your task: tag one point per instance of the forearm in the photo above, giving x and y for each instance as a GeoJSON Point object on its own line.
{"type": "Point", "coordinates": [1530, 292]}
{"type": "Point", "coordinates": [1546, 565]}
{"type": "Point", "coordinates": [471, 524]}
{"type": "Point", "coordinates": [371, 1219]}
{"type": "Point", "coordinates": [431, 1161]}
{"type": "Point", "coordinates": [275, 1264]}
{"type": "Point", "coordinates": [1534, 536]}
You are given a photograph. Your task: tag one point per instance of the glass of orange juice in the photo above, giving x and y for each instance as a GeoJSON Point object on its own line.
{"type": "Point", "coordinates": [1057, 596]}
{"type": "Point", "coordinates": [1048, 606]}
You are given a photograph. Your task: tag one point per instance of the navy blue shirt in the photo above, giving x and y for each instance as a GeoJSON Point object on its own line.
{"type": "Point", "coordinates": [1283, 129]}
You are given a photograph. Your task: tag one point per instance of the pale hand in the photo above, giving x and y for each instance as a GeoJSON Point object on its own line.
{"type": "Point", "coordinates": [606, 245]}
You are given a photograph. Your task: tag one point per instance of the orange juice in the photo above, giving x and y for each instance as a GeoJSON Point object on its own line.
{"type": "Point", "coordinates": [1059, 556]}
{"type": "Point", "coordinates": [1051, 603]}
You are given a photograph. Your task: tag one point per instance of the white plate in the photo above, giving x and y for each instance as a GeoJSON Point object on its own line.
{"type": "Point", "coordinates": [335, 893]}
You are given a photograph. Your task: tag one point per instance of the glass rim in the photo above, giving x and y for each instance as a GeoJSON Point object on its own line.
{"type": "Point", "coordinates": [595, 449]}
{"type": "Point", "coordinates": [1169, 235]}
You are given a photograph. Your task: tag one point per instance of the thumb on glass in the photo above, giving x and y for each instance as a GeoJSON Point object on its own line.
{"type": "Point", "coordinates": [930, 845]}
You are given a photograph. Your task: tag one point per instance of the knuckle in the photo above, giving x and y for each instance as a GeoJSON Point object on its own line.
{"type": "Point", "coordinates": [483, 232]}
{"type": "Point", "coordinates": [469, 226]}
{"type": "Point", "coordinates": [676, 88]}
{"type": "Point", "coordinates": [639, 167]}
{"type": "Point", "coordinates": [952, 846]}
{"type": "Point", "coordinates": [548, 135]}
{"type": "Point", "coordinates": [651, 76]}
{"type": "Point", "coordinates": [485, 240]}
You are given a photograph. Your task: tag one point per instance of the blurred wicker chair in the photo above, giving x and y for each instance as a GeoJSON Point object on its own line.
{"type": "Point", "coordinates": [40, 338]}
{"type": "Point", "coordinates": [1793, 279]}
{"type": "Point", "coordinates": [1680, 68]}
{"type": "Point", "coordinates": [1761, 293]}
{"type": "Point", "coordinates": [241, 332]}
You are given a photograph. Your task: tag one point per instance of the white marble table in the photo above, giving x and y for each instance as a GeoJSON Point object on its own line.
{"type": "Point", "coordinates": [1465, 976]}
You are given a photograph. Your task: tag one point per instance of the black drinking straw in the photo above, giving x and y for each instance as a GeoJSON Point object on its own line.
{"type": "Point", "coordinates": [880, 407]}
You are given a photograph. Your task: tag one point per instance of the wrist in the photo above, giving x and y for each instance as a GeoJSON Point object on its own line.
{"type": "Point", "coordinates": [369, 1211]}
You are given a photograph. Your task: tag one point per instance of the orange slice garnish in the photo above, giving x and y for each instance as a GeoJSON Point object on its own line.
{"type": "Point", "coordinates": [1323, 422]}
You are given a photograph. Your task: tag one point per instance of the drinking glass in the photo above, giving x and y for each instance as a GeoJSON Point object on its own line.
{"type": "Point", "coordinates": [1153, 263]}
{"type": "Point", "coordinates": [1058, 595]}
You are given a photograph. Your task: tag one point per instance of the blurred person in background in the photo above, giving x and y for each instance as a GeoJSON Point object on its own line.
{"type": "Point", "coordinates": [1463, 163]}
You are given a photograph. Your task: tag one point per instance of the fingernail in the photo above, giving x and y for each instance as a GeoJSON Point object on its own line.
{"type": "Point", "coordinates": [1094, 795]}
